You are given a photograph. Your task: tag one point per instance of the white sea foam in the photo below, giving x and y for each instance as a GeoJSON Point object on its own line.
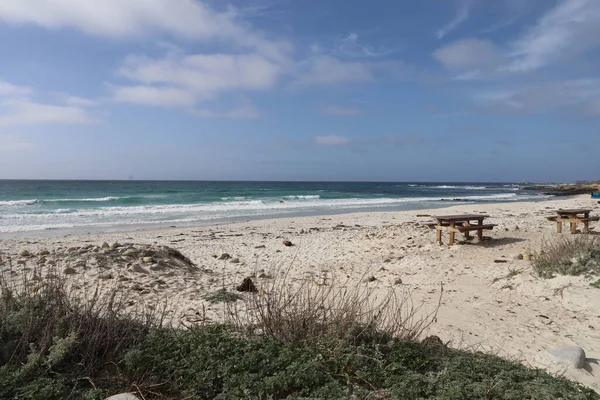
{"type": "Point", "coordinates": [17, 202]}
{"type": "Point", "coordinates": [109, 198]}
{"type": "Point", "coordinates": [29, 202]}
{"type": "Point", "coordinates": [303, 197]}
{"type": "Point", "coordinates": [460, 187]}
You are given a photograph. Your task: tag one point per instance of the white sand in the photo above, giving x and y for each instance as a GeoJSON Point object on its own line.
{"type": "Point", "coordinates": [484, 308]}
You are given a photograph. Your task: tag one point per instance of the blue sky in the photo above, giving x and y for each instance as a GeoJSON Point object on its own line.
{"type": "Point", "coordinates": [399, 90]}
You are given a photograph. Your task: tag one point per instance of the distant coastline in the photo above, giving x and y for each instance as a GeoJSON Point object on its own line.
{"type": "Point", "coordinates": [566, 190]}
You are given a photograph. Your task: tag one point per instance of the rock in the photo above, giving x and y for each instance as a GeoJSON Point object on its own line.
{"type": "Point", "coordinates": [566, 357]}
{"type": "Point", "coordinates": [72, 249]}
{"type": "Point", "coordinates": [265, 276]}
{"type": "Point", "coordinates": [130, 252]}
{"type": "Point", "coordinates": [261, 246]}
{"type": "Point", "coordinates": [43, 253]}
{"type": "Point", "coordinates": [433, 341]}
{"type": "Point", "coordinates": [69, 271]}
{"type": "Point", "coordinates": [247, 286]}
{"type": "Point", "coordinates": [106, 276]}
{"type": "Point", "coordinates": [24, 253]}
{"type": "Point", "coordinates": [397, 281]}
{"type": "Point", "coordinates": [139, 269]}
{"type": "Point", "coordinates": [42, 260]}
{"type": "Point", "coordinates": [148, 260]}
{"type": "Point", "coordinates": [115, 245]}
{"type": "Point", "coordinates": [500, 261]}
{"type": "Point", "coordinates": [105, 245]}
{"type": "Point", "coordinates": [123, 396]}
{"type": "Point", "coordinates": [370, 279]}
{"type": "Point", "coordinates": [526, 257]}
{"type": "Point", "coordinates": [517, 227]}
{"type": "Point", "coordinates": [224, 256]}
{"type": "Point", "coordinates": [235, 260]}
{"type": "Point", "coordinates": [518, 257]}
{"type": "Point", "coordinates": [287, 243]}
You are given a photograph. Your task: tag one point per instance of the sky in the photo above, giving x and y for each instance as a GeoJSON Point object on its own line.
{"type": "Point", "coordinates": [378, 90]}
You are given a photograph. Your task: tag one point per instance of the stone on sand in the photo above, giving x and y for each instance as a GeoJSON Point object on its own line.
{"type": "Point", "coordinates": [224, 256]}
{"type": "Point", "coordinates": [24, 253]}
{"type": "Point", "coordinates": [565, 357]}
{"type": "Point", "coordinates": [123, 396]}
{"type": "Point", "coordinates": [247, 286]}
{"type": "Point", "coordinates": [69, 271]}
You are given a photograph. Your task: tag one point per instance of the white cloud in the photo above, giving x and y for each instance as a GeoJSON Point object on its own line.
{"type": "Point", "coordinates": [579, 96]}
{"type": "Point", "coordinates": [468, 55]}
{"type": "Point", "coordinates": [13, 143]}
{"type": "Point", "coordinates": [26, 112]}
{"type": "Point", "coordinates": [341, 111]}
{"type": "Point", "coordinates": [154, 96]}
{"type": "Point", "coordinates": [349, 46]}
{"type": "Point", "coordinates": [461, 16]}
{"type": "Point", "coordinates": [569, 28]}
{"type": "Point", "coordinates": [331, 140]}
{"type": "Point", "coordinates": [80, 101]}
{"type": "Point", "coordinates": [133, 18]}
{"type": "Point", "coordinates": [246, 112]}
{"type": "Point", "coordinates": [199, 76]}
{"type": "Point", "coordinates": [8, 89]}
{"type": "Point", "coordinates": [330, 70]}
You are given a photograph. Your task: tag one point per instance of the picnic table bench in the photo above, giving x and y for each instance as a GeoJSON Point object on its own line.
{"type": "Point", "coordinates": [464, 224]}
{"type": "Point", "coordinates": [573, 217]}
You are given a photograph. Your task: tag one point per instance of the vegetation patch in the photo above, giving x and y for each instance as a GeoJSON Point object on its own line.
{"type": "Point", "coordinates": [55, 345]}
{"type": "Point", "coordinates": [578, 255]}
{"type": "Point", "coordinates": [222, 296]}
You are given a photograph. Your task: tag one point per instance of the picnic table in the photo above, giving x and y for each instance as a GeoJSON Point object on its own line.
{"type": "Point", "coordinates": [459, 224]}
{"type": "Point", "coordinates": [573, 216]}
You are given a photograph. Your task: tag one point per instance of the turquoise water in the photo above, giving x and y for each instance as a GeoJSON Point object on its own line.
{"type": "Point", "coordinates": [27, 206]}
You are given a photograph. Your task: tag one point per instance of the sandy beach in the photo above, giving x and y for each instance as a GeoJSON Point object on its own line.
{"type": "Point", "coordinates": [491, 302]}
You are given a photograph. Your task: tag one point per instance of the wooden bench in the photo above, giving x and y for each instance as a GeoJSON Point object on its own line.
{"type": "Point", "coordinates": [573, 217]}
{"type": "Point", "coordinates": [458, 224]}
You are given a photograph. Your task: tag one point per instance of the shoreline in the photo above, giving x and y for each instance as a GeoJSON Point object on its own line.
{"type": "Point", "coordinates": [160, 226]}
{"type": "Point", "coordinates": [501, 307]}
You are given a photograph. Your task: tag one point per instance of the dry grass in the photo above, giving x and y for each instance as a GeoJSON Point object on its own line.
{"type": "Point", "coordinates": [312, 312]}
{"type": "Point", "coordinates": [43, 321]}
{"type": "Point", "coordinates": [576, 255]}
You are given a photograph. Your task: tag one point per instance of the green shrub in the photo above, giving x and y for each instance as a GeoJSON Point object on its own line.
{"type": "Point", "coordinates": [578, 255]}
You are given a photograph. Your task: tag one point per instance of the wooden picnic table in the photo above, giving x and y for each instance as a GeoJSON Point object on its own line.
{"type": "Point", "coordinates": [573, 216]}
{"type": "Point", "coordinates": [459, 223]}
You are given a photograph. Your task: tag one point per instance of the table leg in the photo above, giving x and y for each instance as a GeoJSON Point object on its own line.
{"type": "Point", "coordinates": [573, 227]}
{"type": "Point", "coordinates": [586, 227]}
{"type": "Point", "coordinates": [451, 235]}
{"type": "Point", "coordinates": [559, 227]}
{"type": "Point", "coordinates": [438, 235]}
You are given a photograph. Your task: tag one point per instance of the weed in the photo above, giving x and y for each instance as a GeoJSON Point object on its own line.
{"type": "Point", "coordinates": [222, 296]}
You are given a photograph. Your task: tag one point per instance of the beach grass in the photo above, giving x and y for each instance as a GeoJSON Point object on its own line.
{"type": "Point", "coordinates": [577, 255]}
{"type": "Point", "coordinates": [310, 342]}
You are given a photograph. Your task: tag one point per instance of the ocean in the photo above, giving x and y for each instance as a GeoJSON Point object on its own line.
{"type": "Point", "coordinates": [82, 206]}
